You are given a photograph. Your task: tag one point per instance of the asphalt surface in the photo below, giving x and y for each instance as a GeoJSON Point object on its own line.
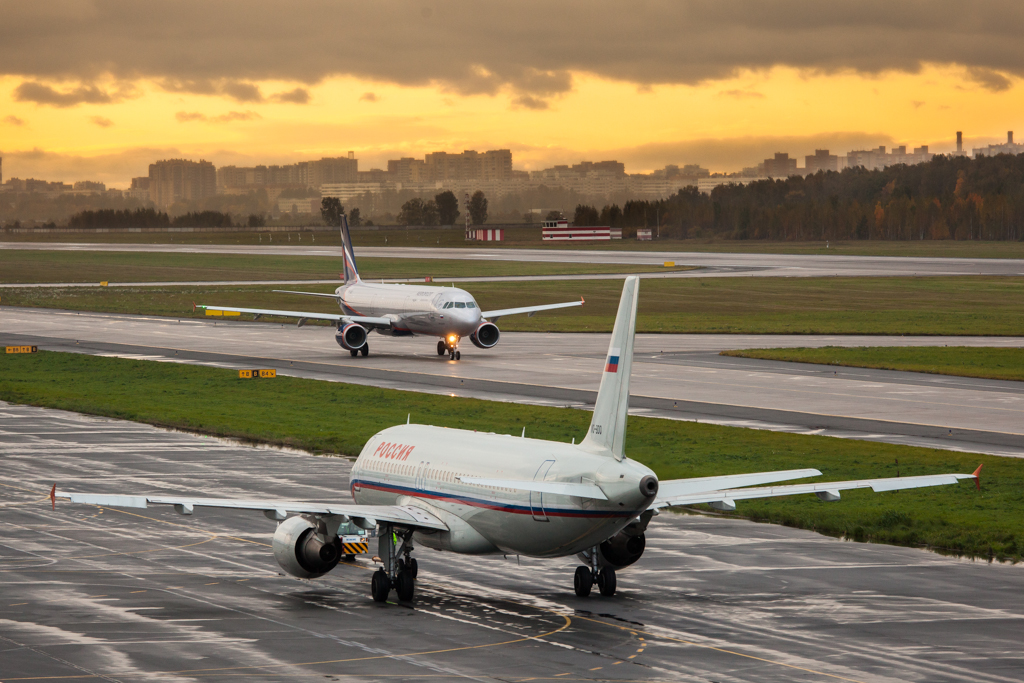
{"type": "Point", "coordinates": [675, 376]}
{"type": "Point", "coordinates": [712, 264]}
{"type": "Point", "coordinates": [94, 593]}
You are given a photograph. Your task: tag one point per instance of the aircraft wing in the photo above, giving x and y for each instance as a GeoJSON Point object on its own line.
{"type": "Point", "coordinates": [285, 291]}
{"type": "Point", "coordinates": [724, 499]}
{"type": "Point", "coordinates": [528, 309]}
{"type": "Point", "coordinates": [675, 488]}
{"type": "Point", "coordinates": [303, 315]}
{"type": "Point", "coordinates": [365, 516]}
{"type": "Point", "coordinates": [564, 488]}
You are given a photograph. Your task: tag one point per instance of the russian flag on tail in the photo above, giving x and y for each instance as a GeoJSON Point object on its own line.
{"type": "Point", "coordinates": [613, 361]}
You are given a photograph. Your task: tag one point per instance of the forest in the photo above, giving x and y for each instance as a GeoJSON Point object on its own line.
{"type": "Point", "coordinates": [947, 198]}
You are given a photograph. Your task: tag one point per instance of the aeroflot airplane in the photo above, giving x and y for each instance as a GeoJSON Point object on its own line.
{"type": "Point", "coordinates": [401, 310]}
{"type": "Point", "coordinates": [473, 493]}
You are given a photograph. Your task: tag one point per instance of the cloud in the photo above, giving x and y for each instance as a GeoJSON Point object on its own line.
{"type": "Point", "coordinates": [297, 96]}
{"type": "Point", "coordinates": [14, 121]}
{"type": "Point", "coordinates": [529, 47]}
{"type": "Point", "coordinates": [33, 91]}
{"type": "Point", "coordinates": [989, 79]}
{"type": "Point", "coordinates": [369, 97]}
{"type": "Point", "coordinates": [530, 102]}
{"type": "Point", "coordinates": [187, 117]}
{"type": "Point", "coordinates": [742, 94]}
{"type": "Point", "coordinates": [101, 122]}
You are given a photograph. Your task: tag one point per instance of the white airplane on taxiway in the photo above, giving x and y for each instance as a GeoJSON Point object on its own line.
{"type": "Point", "coordinates": [474, 493]}
{"type": "Point", "coordinates": [401, 310]}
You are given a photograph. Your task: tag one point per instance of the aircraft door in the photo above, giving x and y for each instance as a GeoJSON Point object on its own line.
{"type": "Point", "coordinates": [421, 476]}
{"type": "Point", "coordinates": [536, 497]}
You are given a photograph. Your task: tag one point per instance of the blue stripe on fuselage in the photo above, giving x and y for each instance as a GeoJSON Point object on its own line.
{"type": "Point", "coordinates": [490, 504]}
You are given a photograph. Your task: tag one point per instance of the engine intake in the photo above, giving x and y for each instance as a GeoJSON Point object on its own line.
{"type": "Point", "coordinates": [351, 337]}
{"type": "Point", "coordinates": [485, 336]}
{"type": "Point", "coordinates": [300, 552]}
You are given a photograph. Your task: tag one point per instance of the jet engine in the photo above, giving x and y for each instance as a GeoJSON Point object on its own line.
{"type": "Point", "coordinates": [301, 552]}
{"type": "Point", "coordinates": [625, 547]}
{"type": "Point", "coordinates": [485, 336]}
{"type": "Point", "coordinates": [351, 337]}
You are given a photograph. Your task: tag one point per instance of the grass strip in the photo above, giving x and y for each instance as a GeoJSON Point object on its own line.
{"type": "Point", "coordinates": [962, 361]}
{"type": "Point", "coordinates": [885, 305]}
{"type": "Point", "coordinates": [31, 266]}
{"type": "Point", "coordinates": [338, 418]}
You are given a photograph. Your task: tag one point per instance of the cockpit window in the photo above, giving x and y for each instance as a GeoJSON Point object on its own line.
{"type": "Point", "coordinates": [448, 305]}
{"type": "Point", "coordinates": [470, 304]}
{"type": "Point", "coordinates": [460, 304]}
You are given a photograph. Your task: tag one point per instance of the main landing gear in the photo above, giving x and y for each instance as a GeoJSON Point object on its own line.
{"type": "Point", "coordinates": [450, 346]}
{"type": "Point", "coordinates": [398, 572]}
{"type": "Point", "coordinates": [586, 577]}
{"type": "Point", "coordinates": [364, 349]}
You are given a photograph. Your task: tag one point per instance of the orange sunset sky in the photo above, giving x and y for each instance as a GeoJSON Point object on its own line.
{"type": "Point", "coordinates": [98, 90]}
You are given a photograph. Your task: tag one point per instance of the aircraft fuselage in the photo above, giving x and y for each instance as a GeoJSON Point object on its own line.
{"type": "Point", "coordinates": [415, 309]}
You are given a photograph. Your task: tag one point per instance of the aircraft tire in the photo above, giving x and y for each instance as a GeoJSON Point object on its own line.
{"type": "Point", "coordinates": [354, 352]}
{"type": "Point", "coordinates": [380, 586]}
{"type": "Point", "coordinates": [405, 586]}
{"type": "Point", "coordinates": [606, 582]}
{"type": "Point", "coordinates": [583, 581]}
{"type": "Point", "coordinates": [458, 355]}
{"type": "Point", "coordinates": [414, 567]}
{"type": "Point", "coordinates": [441, 348]}
{"type": "Point", "coordinates": [451, 356]}
{"type": "Point", "coordinates": [365, 350]}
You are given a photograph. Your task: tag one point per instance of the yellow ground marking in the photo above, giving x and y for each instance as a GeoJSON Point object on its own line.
{"type": "Point", "coordinates": [597, 668]}
{"type": "Point", "coordinates": [725, 651]}
{"type": "Point", "coordinates": [212, 584]}
{"type": "Point", "coordinates": [17, 604]}
{"type": "Point", "coordinates": [138, 591]}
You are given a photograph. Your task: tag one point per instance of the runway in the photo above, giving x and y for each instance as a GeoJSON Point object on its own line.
{"type": "Point", "coordinates": [713, 264]}
{"type": "Point", "coordinates": [100, 594]}
{"type": "Point", "coordinates": [675, 376]}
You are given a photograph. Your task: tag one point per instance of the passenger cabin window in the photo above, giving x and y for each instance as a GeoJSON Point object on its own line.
{"type": "Point", "coordinates": [460, 304]}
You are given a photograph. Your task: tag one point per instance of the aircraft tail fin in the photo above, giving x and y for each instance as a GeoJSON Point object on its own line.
{"type": "Point", "coordinates": [350, 272]}
{"type": "Point", "coordinates": [608, 426]}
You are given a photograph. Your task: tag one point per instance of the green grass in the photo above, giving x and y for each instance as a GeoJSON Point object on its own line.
{"type": "Point", "coordinates": [926, 305]}
{"type": "Point", "coordinates": [530, 236]}
{"type": "Point", "coordinates": [338, 418]}
{"type": "Point", "coordinates": [964, 361]}
{"type": "Point", "coordinates": [32, 266]}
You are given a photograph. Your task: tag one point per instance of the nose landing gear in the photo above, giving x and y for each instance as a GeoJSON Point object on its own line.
{"type": "Point", "coordinates": [450, 346]}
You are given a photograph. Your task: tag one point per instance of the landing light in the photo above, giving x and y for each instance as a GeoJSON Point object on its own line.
{"type": "Point", "coordinates": [451, 338]}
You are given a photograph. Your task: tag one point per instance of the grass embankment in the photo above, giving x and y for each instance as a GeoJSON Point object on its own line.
{"type": "Point", "coordinates": [339, 418]}
{"type": "Point", "coordinates": [963, 361]}
{"type": "Point", "coordinates": [530, 237]}
{"type": "Point", "coordinates": [930, 305]}
{"type": "Point", "coordinates": [32, 266]}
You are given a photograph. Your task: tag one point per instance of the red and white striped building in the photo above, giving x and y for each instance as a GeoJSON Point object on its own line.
{"type": "Point", "coordinates": [561, 230]}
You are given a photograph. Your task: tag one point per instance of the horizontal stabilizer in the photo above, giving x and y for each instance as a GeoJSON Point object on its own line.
{"type": "Point", "coordinates": [562, 488]}
{"type": "Point", "coordinates": [528, 309]}
{"type": "Point", "coordinates": [673, 488]}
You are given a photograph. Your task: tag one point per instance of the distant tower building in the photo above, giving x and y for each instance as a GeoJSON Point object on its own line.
{"type": "Point", "coordinates": [1009, 137]}
{"type": "Point", "coordinates": [959, 143]}
{"type": "Point", "coordinates": [780, 167]}
{"type": "Point", "coordinates": [181, 180]}
{"type": "Point", "coordinates": [821, 160]}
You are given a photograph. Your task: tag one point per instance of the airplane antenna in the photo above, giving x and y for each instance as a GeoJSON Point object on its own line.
{"type": "Point", "coordinates": [524, 433]}
{"type": "Point", "coordinates": [574, 441]}
{"type": "Point", "coordinates": [408, 419]}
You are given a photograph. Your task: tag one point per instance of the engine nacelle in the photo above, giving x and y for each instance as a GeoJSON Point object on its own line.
{"type": "Point", "coordinates": [351, 337]}
{"type": "Point", "coordinates": [485, 336]}
{"type": "Point", "coordinates": [300, 552]}
{"type": "Point", "coordinates": [625, 547]}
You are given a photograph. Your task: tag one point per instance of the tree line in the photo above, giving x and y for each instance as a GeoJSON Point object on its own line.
{"type": "Point", "coordinates": [947, 198]}
{"type": "Point", "coordinates": [151, 218]}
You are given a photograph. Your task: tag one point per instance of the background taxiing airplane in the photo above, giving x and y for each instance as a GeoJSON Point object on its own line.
{"type": "Point", "coordinates": [474, 493]}
{"type": "Point", "coordinates": [401, 310]}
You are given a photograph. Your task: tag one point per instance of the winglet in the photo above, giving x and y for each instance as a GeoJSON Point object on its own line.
{"type": "Point", "coordinates": [977, 476]}
{"type": "Point", "coordinates": [583, 301]}
{"type": "Point", "coordinates": [193, 306]}
{"type": "Point", "coordinates": [53, 497]}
